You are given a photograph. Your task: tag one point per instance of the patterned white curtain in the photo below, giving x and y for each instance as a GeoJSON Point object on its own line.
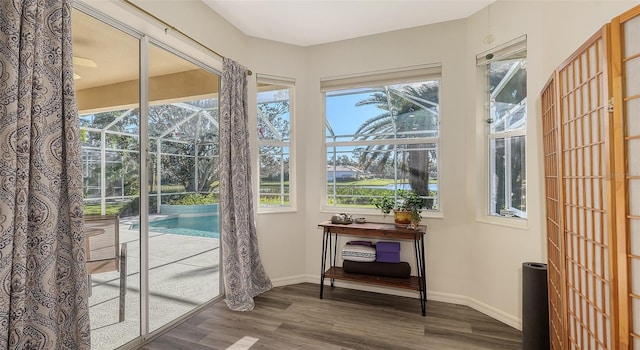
{"type": "Point", "coordinates": [43, 282]}
{"type": "Point", "coordinates": [244, 275]}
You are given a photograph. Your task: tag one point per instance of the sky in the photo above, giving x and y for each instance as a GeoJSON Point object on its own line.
{"type": "Point", "coordinates": [343, 115]}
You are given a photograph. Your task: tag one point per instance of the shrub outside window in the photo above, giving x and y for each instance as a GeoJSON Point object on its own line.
{"type": "Point", "coordinates": [275, 115]}
{"type": "Point", "coordinates": [506, 95]}
{"type": "Point", "coordinates": [381, 137]}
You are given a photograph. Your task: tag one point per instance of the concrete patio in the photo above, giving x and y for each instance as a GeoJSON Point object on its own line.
{"type": "Point", "coordinates": [183, 273]}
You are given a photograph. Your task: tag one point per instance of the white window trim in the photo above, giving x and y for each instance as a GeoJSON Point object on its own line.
{"type": "Point", "coordinates": [292, 207]}
{"type": "Point", "coordinates": [485, 163]}
{"type": "Point", "coordinates": [491, 161]}
{"type": "Point", "coordinates": [385, 77]}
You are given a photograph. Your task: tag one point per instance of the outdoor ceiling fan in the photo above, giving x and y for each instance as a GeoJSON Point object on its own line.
{"type": "Point", "coordinates": [83, 62]}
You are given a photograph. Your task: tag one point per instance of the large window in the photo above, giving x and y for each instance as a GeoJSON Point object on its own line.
{"type": "Point", "coordinates": [506, 117]}
{"type": "Point", "coordinates": [382, 135]}
{"type": "Point", "coordinates": [274, 114]}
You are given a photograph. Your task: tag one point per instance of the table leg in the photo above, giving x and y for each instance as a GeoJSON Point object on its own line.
{"type": "Point", "coordinates": [419, 251]}
{"type": "Point", "coordinates": [424, 271]}
{"type": "Point", "coordinates": [424, 278]}
{"type": "Point", "coordinates": [333, 242]}
{"type": "Point", "coordinates": [323, 264]}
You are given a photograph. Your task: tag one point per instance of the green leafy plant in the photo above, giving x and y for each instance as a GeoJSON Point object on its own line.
{"type": "Point", "coordinates": [194, 199]}
{"type": "Point", "coordinates": [407, 201]}
{"type": "Point", "coordinates": [410, 201]}
{"type": "Point", "coordinates": [385, 204]}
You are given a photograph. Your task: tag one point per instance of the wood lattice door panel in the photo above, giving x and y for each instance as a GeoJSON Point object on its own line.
{"type": "Point", "coordinates": [591, 134]}
{"type": "Point", "coordinates": [555, 265]}
{"type": "Point", "coordinates": [630, 170]}
{"type": "Point", "coordinates": [576, 137]}
{"type": "Point", "coordinates": [586, 225]}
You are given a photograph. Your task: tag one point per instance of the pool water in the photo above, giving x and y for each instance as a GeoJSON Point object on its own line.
{"type": "Point", "coordinates": [199, 226]}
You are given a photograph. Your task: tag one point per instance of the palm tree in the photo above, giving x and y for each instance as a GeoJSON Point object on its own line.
{"type": "Point", "coordinates": [406, 112]}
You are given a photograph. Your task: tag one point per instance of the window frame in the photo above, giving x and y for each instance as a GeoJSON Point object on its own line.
{"type": "Point", "coordinates": [374, 80]}
{"type": "Point", "coordinates": [514, 49]}
{"type": "Point", "coordinates": [290, 145]}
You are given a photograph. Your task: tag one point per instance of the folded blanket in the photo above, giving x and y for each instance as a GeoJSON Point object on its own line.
{"type": "Point", "coordinates": [356, 252]}
{"type": "Point", "coordinates": [398, 270]}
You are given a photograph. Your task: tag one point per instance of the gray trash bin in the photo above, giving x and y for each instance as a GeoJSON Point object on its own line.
{"type": "Point", "coordinates": [535, 307]}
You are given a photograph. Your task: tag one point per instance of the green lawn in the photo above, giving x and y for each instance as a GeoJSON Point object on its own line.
{"type": "Point", "coordinates": [366, 182]}
{"type": "Point", "coordinates": [112, 208]}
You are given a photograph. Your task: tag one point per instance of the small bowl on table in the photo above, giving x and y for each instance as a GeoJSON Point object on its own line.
{"type": "Point", "coordinates": [361, 220]}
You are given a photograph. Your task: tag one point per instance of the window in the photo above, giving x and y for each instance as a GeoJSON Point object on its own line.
{"type": "Point", "coordinates": [506, 117]}
{"type": "Point", "coordinates": [275, 116]}
{"type": "Point", "coordinates": [382, 135]}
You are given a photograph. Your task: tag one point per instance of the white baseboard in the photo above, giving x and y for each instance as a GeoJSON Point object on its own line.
{"type": "Point", "coordinates": [475, 304]}
{"type": "Point", "coordinates": [285, 281]}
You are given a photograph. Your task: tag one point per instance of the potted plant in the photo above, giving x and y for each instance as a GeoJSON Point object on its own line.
{"type": "Point", "coordinates": [386, 204]}
{"type": "Point", "coordinates": [406, 210]}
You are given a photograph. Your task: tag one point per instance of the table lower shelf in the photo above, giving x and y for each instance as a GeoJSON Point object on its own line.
{"type": "Point", "coordinates": [411, 283]}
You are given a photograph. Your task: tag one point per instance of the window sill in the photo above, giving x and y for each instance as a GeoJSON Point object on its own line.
{"type": "Point", "coordinates": [359, 212]}
{"type": "Point", "coordinates": [282, 210]}
{"type": "Point", "coordinates": [517, 223]}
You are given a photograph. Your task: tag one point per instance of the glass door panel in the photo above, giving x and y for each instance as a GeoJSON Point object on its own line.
{"type": "Point", "coordinates": [184, 245]}
{"type": "Point", "coordinates": [107, 89]}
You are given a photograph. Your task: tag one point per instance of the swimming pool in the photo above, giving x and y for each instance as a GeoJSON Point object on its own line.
{"type": "Point", "coordinates": [199, 226]}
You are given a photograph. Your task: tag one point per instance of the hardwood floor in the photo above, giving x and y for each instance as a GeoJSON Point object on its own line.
{"type": "Point", "coordinates": [293, 317]}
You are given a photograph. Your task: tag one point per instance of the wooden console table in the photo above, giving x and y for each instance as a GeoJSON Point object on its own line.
{"type": "Point", "coordinates": [377, 231]}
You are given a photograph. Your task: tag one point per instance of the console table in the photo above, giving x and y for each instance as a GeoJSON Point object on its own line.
{"type": "Point", "coordinates": [377, 231]}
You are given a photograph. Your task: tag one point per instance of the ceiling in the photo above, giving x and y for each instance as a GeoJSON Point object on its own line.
{"type": "Point", "coordinates": [114, 54]}
{"type": "Point", "coordinates": [313, 22]}
{"type": "Point", "coordinates": [111, 57]}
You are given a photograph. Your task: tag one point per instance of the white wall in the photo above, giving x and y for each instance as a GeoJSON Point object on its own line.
{"type": "Point", "coordinates": [443, 43]}
{"type": "Point", "coordinates": [554, 30]}
{"type": "Point", "coordinates": [499, 246]}
{"type": "Point", "coordinates": [470, 258]}
{"type": "Point", "coordinates": [571, 23]}
{"type": "Point", "coordinates": [200, 22]}
{"type": "Point", "coordinates": [281, 236]}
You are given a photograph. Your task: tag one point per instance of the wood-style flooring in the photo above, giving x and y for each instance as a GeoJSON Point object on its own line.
{"type": "Point", "coordinates": [294, 317]}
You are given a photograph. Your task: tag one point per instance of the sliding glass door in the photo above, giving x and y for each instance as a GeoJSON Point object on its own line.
{"type": "Point", "coordinates": [108, 103]}
{"type": "Point", "coordinates": [149, 127]}
{"type": "Point", "coordinates": [183, 186]}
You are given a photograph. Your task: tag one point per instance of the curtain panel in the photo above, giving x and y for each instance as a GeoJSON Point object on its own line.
{"type": "Point", "coordinates": [244, 275]}
{"type": "Point", "coordinates": [43, 294]}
